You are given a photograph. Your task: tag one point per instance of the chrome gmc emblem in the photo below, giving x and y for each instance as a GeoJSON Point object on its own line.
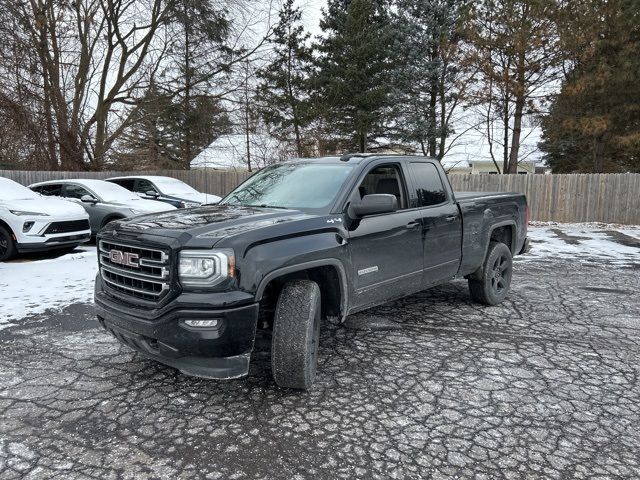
{"type": "Point", "coordinates": [124, 258]}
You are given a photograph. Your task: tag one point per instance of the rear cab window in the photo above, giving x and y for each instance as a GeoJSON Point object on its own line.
{"type": "Point", "coordinates": [127, 183]}
{"type": "Point", "coordinates": [430, 190]}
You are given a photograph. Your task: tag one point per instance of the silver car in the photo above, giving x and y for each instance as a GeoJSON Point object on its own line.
{"type": "Point", "coordinates": [103, 201]}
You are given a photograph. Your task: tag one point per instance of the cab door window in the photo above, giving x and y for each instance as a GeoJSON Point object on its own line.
{"type": "Point", "coordinates": [384, 179]}
{"type": "Point", "coordinates": [76, 191]}
{"type": "Point", "coordinates": [144, 186]}
{"type": "Point", "coordinates": [50, 190]}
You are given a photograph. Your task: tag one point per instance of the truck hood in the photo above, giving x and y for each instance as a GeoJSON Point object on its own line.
{"type": "Point", "coordinates": [211, 222]}
{"type": "Point", "coordinates": [54, 207]}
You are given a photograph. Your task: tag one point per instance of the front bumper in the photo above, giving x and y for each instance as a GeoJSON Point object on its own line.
{"type": "Point", "coordinates": [39, 244]}
{"type": "Point", "coordinates": [222, 352]}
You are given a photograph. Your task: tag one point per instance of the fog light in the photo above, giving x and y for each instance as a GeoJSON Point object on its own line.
{"type": "Point", "coordinates": [27, 226]}
{"type": "Point", "coordinates": [202, 323]}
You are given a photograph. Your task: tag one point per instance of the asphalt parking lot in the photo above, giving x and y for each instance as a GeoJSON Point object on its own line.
{"type": "Point", "coordinates": [432, 386]}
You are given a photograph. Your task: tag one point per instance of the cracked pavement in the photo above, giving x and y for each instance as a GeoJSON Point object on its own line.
{"type": "Point", "coordinates": [431, 386]}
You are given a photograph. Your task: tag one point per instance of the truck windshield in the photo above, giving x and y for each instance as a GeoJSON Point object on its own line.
{"type": "Point", "coordinates": [291, 185]}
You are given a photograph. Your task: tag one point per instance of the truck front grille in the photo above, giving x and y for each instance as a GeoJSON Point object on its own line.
{"type": "Point", "coordinates": [139, 272]}
{"type": "Point", "coordinates": [67, 227]}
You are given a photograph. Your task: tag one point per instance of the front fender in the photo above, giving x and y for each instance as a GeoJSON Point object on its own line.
{"type": "Point", "coordinates": [263, 262]}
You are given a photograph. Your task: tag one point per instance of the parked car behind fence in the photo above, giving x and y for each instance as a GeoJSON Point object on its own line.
{"type": "Point", "coordinates": [30, 223]}
{"type": "Point", "coordinates": [165, 189]}
{"type": "Point", "coordinates": [103, 201]}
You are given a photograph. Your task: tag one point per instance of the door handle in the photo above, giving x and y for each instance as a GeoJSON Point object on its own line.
{"type": "Point", "coordinates": [450, 218]}
{"type": "Point", "coordinates": [412, 225]}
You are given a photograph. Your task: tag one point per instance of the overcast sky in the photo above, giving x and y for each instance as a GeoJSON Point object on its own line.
{"type": "Point", "coordinates": [311, 14]}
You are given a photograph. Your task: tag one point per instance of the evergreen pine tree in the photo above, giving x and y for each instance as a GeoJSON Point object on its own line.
{"type": "Point", "coordinates": [155, 138]}
{"type": "Point", "coordinates": [199, 49]}
{"type": "Point", "coordinates": [352, 79]}
{"type": "Point", "coordinates": [427, 78]}
{"type": "Point", "coordinates": [594, 122]}
{"type": "Point", "coordinates": [283, 88]}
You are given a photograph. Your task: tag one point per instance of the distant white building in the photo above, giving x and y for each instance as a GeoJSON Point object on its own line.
{"type": "Point", "coordinates": [230, 152]}
{"type": "Point", "coordinates": [471, 152]}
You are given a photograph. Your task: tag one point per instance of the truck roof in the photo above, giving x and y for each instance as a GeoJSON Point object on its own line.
{"type": "Point", "coordinates": [354, 158]}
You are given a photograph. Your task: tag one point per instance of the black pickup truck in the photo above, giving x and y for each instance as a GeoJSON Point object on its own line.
{"type": "Point", "coordinates": [295, 243]}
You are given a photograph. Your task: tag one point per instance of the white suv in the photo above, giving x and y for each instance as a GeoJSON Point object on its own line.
{"type": "Point", "coordinates": [30, 222]}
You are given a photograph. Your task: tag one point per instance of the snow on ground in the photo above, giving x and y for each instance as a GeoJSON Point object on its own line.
{"type": "Point", "coordinates": [616, 244]}
{"type": "Point", "coordinates": [29, 287]}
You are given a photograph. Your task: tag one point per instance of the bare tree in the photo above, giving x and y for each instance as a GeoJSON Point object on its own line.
{"type": "Point", "coordinates": [514, 45]}
{"type": "Point", "coordinates": [92, 57]}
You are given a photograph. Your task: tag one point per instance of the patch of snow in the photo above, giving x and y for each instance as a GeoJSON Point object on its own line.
{"type": "Point", "coordinates": [583, 241]}
{"type": "Point", "coordinates": [31, 287]}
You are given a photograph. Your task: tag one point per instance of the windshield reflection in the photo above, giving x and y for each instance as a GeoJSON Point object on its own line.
{"type": "Point", "coordinates": [291, 185]}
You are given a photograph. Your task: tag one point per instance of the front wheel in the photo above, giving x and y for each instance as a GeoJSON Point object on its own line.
{"type": "Point", "coordinates": [492, 285]}
{"type": "Point", "coordinates": [296, 335]}
{"type": "Point", "coordinates": [7, 245]}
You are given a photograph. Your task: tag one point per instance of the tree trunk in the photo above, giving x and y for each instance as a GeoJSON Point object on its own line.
{"type": "Point", "coordinates": [362, 142]}
{"type": "Point", "coordinates": [52, 160]}
{"type": "Point", "coordinates": [598, 154]}
{"type": "Point", "coordinates": [292, 101]}
{"type": "Point", "coordinates": [296, 128]}
{"type": "Point", "coordinates": [517, 115]}
{"type": "Point", "coordinates": [431, 139]}
{"type": "Point", "coordinates": [186, 139]}
{"type": "Point", "coordinates": [505, 139]}
{"type": "Point", "coordinates": [71, 155]}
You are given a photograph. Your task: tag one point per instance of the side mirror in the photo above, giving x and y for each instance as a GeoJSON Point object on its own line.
{"type": "Point", "coordinates": [88, 199]}
{"type": "Point", "coordinates": [152, 194]}
{"type": "Point", "coordinates": [373, 204]}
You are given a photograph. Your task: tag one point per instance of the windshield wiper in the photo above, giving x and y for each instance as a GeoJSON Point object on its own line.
{"type": "Point", "coordinates": [270, 206]}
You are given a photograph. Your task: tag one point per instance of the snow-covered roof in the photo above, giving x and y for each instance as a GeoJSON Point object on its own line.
{"type": "Point", "coordinates": [230, 152]}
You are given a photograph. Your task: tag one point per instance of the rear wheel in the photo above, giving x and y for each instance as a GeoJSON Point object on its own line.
{"type": "Point", "coordinates": [7, 245]}
{"type": "Point", "coordinates": [296, 334]}
{"type": "Point", "coordinates": [492, 285]}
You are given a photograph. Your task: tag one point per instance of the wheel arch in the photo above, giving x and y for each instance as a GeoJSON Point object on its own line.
{"type": "Point", "coordinates": [324, 272]}
{"type": "Point", "coordinates": [8, 227]}
{"type": "Point", "coordinates": [504, 232]}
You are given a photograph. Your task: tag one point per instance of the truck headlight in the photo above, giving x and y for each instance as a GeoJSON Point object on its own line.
{"type": "Point", "coordinates": [205, 268]}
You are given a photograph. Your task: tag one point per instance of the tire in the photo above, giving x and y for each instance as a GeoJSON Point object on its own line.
{"type": "Point", "coordinates": [492, 284]}
{"type": "Point", "coordinates": [296, 335]}
{"type": "Point", "coordinates": [8, 248]}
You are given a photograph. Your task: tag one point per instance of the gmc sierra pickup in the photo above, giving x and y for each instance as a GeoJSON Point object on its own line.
{"type": "Point", "coordinates": [294, 243]}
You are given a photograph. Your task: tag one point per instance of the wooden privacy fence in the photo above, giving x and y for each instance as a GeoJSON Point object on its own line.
{"type": "Point", "coordinates": [609, 198]}
{"type": "Point", "coordinates": [606, 197]}
{"type": "Point", "coordinates": [218, 182]}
